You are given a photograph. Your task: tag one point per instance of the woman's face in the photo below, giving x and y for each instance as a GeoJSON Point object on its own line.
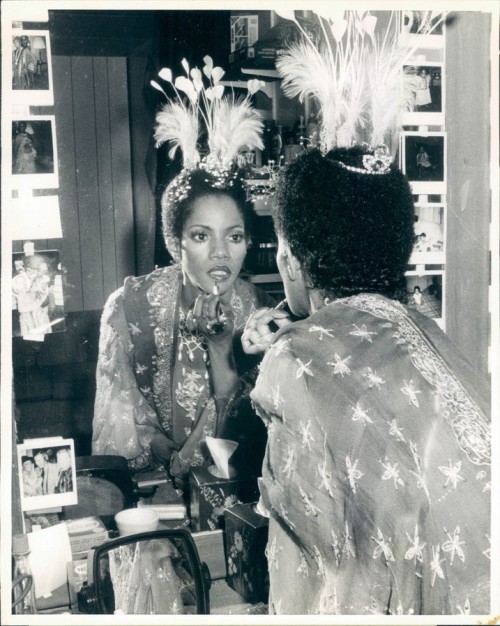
{"type": "Point", "coordinates": [295, 287]}
{"type": "Point", "coordinates": [213, 244]}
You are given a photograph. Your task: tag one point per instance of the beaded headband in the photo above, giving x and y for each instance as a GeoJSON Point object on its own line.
{"type": "Point", "coordinates": [356, 77]}
{"type": "Point", "coordinates": [229, 123]}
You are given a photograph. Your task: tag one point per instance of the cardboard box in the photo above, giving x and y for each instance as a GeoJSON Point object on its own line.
{"type": "Point", "coordinates": [85, 533]}
{"type": "Point", "coordinates": [210, 495]}
{"type": "Point", "coordinates": [245, 540]}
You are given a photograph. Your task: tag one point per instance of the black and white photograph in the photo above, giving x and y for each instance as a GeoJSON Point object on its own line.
{"type": "Point", "coordinates": [37, 294]}
{"type": "Point", "coordinates": [429, 231]}
{"type": "Point", "coordinates": [423, 159]}
{"type": "Point", "coordinates": [425, 293]}
{"type": "Point", "coordinates": [424, 28]}
{"type": "Point", "coordinates": [426, 85]}
{"type": "Point", "coordinates": [263, 308]}
{"type": "Point", "coordinates": [31, 68]}
{"type": "Point", "coordinates": [47, 473]}
{"type": "Point", "coordinates": [34, 152]}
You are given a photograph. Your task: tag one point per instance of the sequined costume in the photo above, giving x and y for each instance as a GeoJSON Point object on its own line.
{"type": "Point", "coordinates": [377, 469]}
{"type": "Point", "coordinates": [153, 382]}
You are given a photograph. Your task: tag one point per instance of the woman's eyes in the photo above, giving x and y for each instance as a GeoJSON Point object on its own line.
{"type": "Point", "coordinates": [201, 236]}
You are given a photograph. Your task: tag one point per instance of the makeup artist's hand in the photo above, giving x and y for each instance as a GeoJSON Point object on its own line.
{"type": "Point", "coordinates": [212, 317]}
{"type": "Point", "coordinates": [258, 334]}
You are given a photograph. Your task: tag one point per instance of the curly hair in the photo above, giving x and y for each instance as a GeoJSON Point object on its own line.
{"type": "Point", "coordinates": [351, 231]}
{"type": "Point", "coordinates": [196, 184]}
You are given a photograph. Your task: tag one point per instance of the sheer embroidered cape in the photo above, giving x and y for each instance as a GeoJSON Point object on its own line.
{"type": "Point", "coordinates": [135, 399]}
{"type": "Point", "coordinates": [377, 468]}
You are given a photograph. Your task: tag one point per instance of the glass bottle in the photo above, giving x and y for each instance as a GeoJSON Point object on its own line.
{"type": "Point", "coordinates": [23, 589]}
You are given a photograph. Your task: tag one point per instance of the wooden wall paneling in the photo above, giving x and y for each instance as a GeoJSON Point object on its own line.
{"type": "Point", "coordinates": [468, 134]}
{"type": "Point", "coordinates": [121, 167]}
{"type": "Point", "coordinates": [87, 177]}
{"type": "Point", "coordinates": [68, 205]}
{"type": "Point", "coordinates": [105, 180]}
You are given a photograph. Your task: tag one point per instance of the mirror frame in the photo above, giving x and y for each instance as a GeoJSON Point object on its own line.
{"type": "Point", "coordinates": [200, 573]}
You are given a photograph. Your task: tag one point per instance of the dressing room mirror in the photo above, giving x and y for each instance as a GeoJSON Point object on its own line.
{"type": "Point", "coordinates": [153, 573]}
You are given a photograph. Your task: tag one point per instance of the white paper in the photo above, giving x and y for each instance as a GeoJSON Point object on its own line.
{"type": "Point", "coordinates": [36, 217]}
{"type": "Point", "coordinates": [50, 552]}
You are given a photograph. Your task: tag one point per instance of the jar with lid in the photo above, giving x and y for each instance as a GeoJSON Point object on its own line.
{"type": "Point", "coordinates": [23, 589]}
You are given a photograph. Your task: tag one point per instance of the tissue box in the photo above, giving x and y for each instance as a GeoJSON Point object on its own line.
{"type": "Point", "coordinates": [85, 533]}
{"type": "Point", "coordinates": [245, 540]}
{"type": "Point", "coordinates": [210, 495]}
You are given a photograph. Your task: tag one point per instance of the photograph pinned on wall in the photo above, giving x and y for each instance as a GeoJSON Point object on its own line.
{"type": "Point", "coordinates": [423, 160]}
{"type": "Point", "coordinates": [244, 31]}
{"type": "Point", "coordinates": [424, 83]}
{"type": "Point", "coordinates": [424, 29]}
{"type": "Point", "coordinates": [425, 293]}
{"type": "Point", "coordinates": [34, 153]}
{"type": "Point", "coordinates": [31, 68]}
{"type": "Point", "coordinates": [429, 235]}
{"type": "Point", "coordinates": [37, 295]}
{"type": "Point", "coordinates": [47, 473]}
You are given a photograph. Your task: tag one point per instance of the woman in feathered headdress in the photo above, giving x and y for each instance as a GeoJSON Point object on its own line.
{"type": "Point", "coordinates": [169, 372]}
{"type": "Point", "coordinates": [378, 468]}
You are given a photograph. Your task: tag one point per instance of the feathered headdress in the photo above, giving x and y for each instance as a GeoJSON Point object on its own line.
{"type": "Point", "coordinates": [230, 123]}
{"type": "Point", "coordinates": [356, 77]}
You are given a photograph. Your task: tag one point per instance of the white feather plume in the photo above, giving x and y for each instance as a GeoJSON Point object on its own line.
{"type": "Point", "coordinates": [234, 125]}
{"type": "Point", "coordinates": [178, 125]}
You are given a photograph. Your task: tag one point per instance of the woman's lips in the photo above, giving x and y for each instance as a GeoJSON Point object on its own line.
{"type": "Point", "coordinates": [219, 272]}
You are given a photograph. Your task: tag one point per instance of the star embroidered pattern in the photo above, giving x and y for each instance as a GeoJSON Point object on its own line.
{"type": "Point", "coordinates": [409, 391]}
{"type": "Point", "coordinates": [382, 547]}
{"type": "Point", "coordinates": [340, 366]}
{"type": "Point", "coordinates": [319, 561]}
{"type": "Point", "coordinates": [396, 431]}
{"type": "Point", "coordinates": [303, 368]}
{"type": "Point", "coordinates": [353, 474]}
{"type": "Point", "coordinates": [134, 329]}
{"type": "Point", "coordinates": [453, 545]}
{"type": "Point", "coordinates": [322, 331]}
{"type": "Point", "coordinates": [306, 435]}
{"type": "Point", "coordinates": [310, 507]}
{"type": "Point", "coordinates": [415, 551]}
{"type": "Point", "coordinates": [363, 333]}
{"type": "Point", "coordinates": [140, 369]}
{"type": "Point", "coordinates": [452, 473]}
{"type": "Point", "coordinates": [373, 379]}
{"type": "Point", "coordinates": [281, 346]}
{"type": "Point", "coordinates": [391, 471]}
{"type": "Point", "coordinates": [360, 415]}
{"type": "Point", "coordinates": [326, 478]}
{"type": "Point", "coordinates": [436, 569]}
{"type": "Point", "coordinates": [303, 569]}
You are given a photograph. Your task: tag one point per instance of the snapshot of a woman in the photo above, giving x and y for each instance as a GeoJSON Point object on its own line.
{"type": "Point", "coordinates": [170, 368]}
{"type": "Point", "coordinates": [377, 473]}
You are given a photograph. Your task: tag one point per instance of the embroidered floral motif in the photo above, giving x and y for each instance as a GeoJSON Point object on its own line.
{"type": "Point", "coordinates": [326, 478]}
{"type": "Point", "coordinates": [353, 474]}
{"type": "Point", "coordinates": [391, 472]}
{"type": "Point", "coordinates": [322, 331]}
{"type": "Point", "coordinates": [452, 473]}
{"type": "Point", "coordinates": [453, 545]}
{"type": "Point", "coordinates": [340, 366]}
{"type": "Point", "coordinates": [363, 333]}
{"type": "Point", "coordinates": [360, 415]}
{"type": "Point", "coordinates": [306, 435]}
{"type": "Point", "coordinates": [436, 569]}
{"type": "Point", "coordinates": [415, 552]}
{"type": "Point", "coordinates": [373, 379]}
{"type": "Point", "coordinates": [277, 397]}
{"type": "Point", "coordinates": [303, 369]}
{"type": "Point", "coordinates": [382, 547]}
{"type": "Point", "coordinates": [282, 345]}
{"type": "Point", "coordinates": [396, 431]}
{"type": "Point", "coordinates": [318, 559]}
{"type": "Point", "coordinates": [188, 392]}
{"type": "Point", "coordinates": [303, 569]}
{"type": "Point", "coordinates": [310, 507]}
{"type": "Point", "coordinates": [469, 425]}
{"type": "Point", "coordinates": [289, 463]}
{"type": "Point", "coordinates": [409, 391]}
